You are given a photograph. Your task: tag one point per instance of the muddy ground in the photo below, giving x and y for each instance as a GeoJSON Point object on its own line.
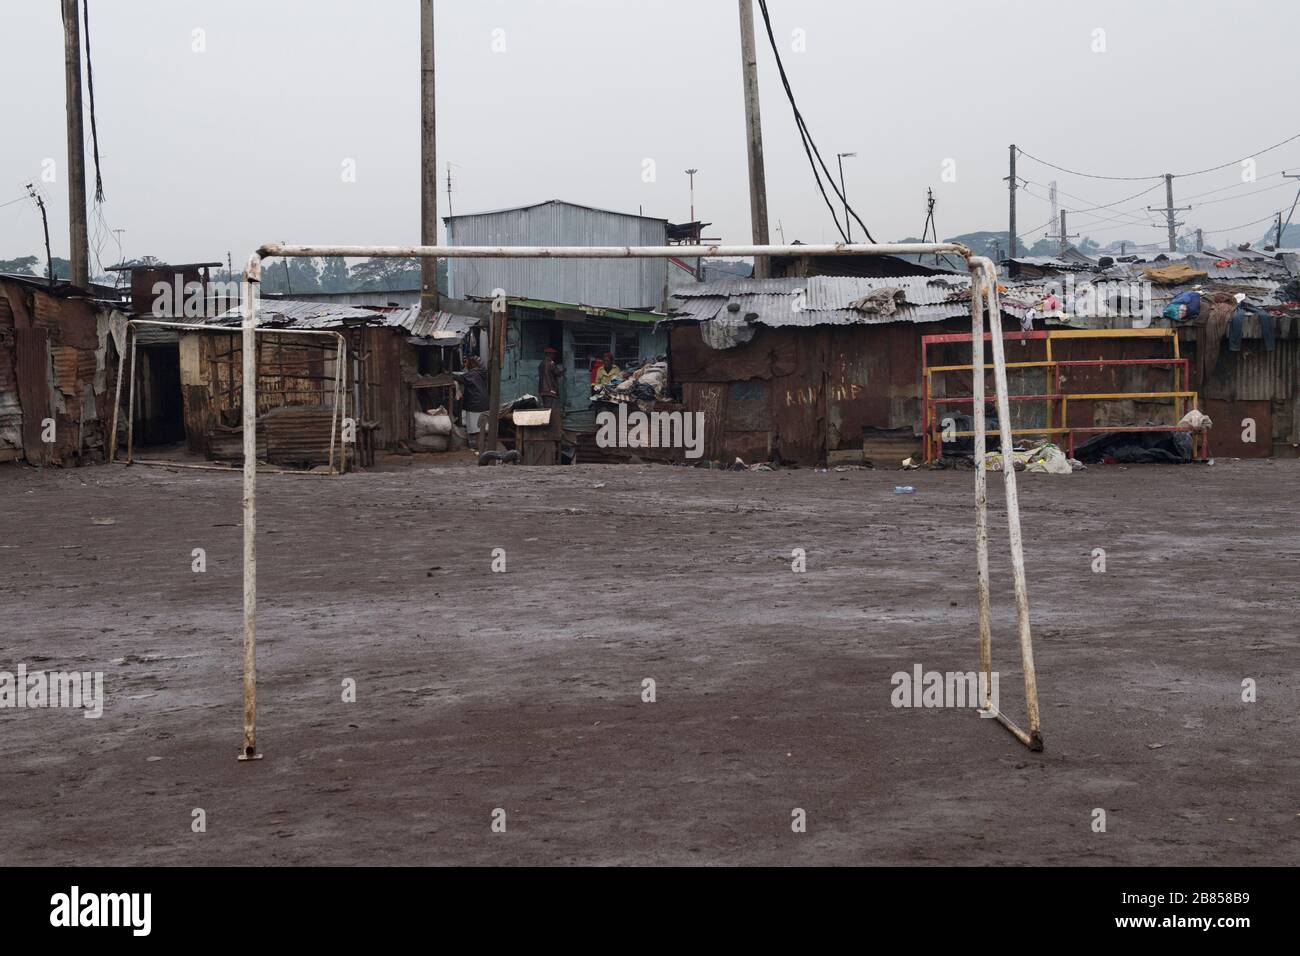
{"type": "Point", "coordinates": [523, 690]}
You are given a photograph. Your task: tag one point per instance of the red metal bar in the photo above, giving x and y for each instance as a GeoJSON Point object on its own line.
{"type": "Point", "coordinates": [1181, 368]}
{"type": "Point", "coordinates": [948, 339]}
{"type": "Point", "coordinates": [925, 415]}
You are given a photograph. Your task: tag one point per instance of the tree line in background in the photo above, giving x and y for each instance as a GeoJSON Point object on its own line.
{"type": "Point", "coordinates": [333, 274]}
{"type": "Point", "coordinates": [289, 276]}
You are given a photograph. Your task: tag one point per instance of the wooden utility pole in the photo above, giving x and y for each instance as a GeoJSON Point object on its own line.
{"type": "Point", "coordinates": [1278, 242]}
{"type": "Point", "coordinates": [1169, 211]}
{"type": "Point", "coordinates": [80, 243]}
{"type": "Point", "coordinates": [1286, 175]}
{"type": "Point", "coordinates": [1011, 187]}
{"type": "Point", "coordinates": [754, 139]}
{"type": "Point", "coordinates": [1065, 236]}
{"type": "Point", "coordinates": [428, 162]}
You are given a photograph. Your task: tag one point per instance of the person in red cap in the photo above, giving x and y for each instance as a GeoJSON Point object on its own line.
{"type": "Point", "coordinates": [548, 378]}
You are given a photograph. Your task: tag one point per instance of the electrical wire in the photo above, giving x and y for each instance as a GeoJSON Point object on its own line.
{"type": "Point", "coordinates": [90, 83]}
{"type": "Point", "coordinates": [1242, 226]}
{"type": "Point", "coordinates": [1287, 225]}
{"type": "Point", "coordinates": [1075, 172]}
{"type": "Point", "coordinates": [807, 137]}
{"type": "Point", "coordinates": [1195, 172]}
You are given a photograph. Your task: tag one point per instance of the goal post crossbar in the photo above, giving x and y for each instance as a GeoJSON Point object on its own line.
{"type": "Point", "coordinates": [984, 295]}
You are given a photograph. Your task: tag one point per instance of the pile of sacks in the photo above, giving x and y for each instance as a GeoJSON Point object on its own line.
{"type": "Point", "coordinates": [434, 430]}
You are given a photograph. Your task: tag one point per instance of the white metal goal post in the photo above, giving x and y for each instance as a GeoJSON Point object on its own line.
{"type": "Point", "coordinates": [984, 294]}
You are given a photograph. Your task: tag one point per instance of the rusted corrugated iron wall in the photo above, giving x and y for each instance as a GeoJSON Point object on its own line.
{"type": "Point", "coordinates": [386, 399]}
{"type": "Point", "coordinates": [1258, 385]}
{"type": "Point", "coordinates": [802, 392]}
{"type": "Point", "coordinates": [11, 409]}
{"type": "Point", "coordinates": [54, 366]}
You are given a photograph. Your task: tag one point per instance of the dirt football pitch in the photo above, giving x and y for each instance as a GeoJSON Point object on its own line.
{"type": "Point", "coordinates": [524, 690]}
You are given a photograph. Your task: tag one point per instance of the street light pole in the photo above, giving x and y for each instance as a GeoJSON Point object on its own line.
{"type": "Point", "coordinates": [691, 173]}
{"type": "Point", "coordinates": [848, 228]}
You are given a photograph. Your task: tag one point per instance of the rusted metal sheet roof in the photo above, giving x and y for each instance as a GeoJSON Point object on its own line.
{"type": "Point", "coordinates": [295, 314]}
{"type": "Point", "coordinates": [435, 325]}
{"type": "Point", "coordinates": [821, 300]}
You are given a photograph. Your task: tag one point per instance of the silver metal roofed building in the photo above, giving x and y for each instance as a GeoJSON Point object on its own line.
{"type": "Point", "coordinates": [616, 284]}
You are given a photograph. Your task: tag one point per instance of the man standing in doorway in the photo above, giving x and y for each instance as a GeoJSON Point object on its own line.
{"type": "Point", "coordinates": [548, 378]}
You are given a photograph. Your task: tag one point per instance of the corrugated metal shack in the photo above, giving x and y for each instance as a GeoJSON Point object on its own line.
{"type": "Point", "coordinates": [813, 370]}
{"type": "Point", "coordinates": [399, 362]}
{"type": "Point", "coordinates": [55, 364]}
{"type": "Point", "coordinates": [1251, 383]}
{"type": "Point", "coordinates": [640, 284]}
{"type": "Point", "coordinates": [582, 308]}
{"type": "Point", "coordinates": [816, 369]}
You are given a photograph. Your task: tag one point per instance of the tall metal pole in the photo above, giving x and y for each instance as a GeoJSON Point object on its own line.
{"type": "Point", "coordinates": [754, 138]}
{"type": "Point", "coordinates": [1169, 207]}
{"type": "Point", "coordinates": [76, 145]}
{"type": "Point", "coordinates": [252, 280]}
{"type": "Point", "coordinates": [848, 226]}
{"type": "Point", "coordinates": [428, 162]}
{"type": "Point", "coordinates": [1011, 187]}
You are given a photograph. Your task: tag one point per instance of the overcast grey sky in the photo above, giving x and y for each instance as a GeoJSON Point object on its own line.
{"type": "Point", "coordinates": [245, 142]}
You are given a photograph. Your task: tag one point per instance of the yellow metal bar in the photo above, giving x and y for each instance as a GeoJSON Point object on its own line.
{"type": "Point", "coordinates": [1110, 396]}
{"type": "Point", "coordinates": [967, 368]}
{"type": "Point", "coordinates": [1109, 333]}
{"type": "Point", "coordinates": [1178, 379]}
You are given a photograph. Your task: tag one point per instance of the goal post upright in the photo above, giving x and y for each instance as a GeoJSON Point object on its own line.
{"type": "Point", "coordinates": [983, 275]}
{"type": "Point", "coordinates": [252, 282]}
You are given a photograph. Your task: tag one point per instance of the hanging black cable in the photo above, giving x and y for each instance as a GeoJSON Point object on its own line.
{"type": "Point", "coordinates": [90, 85]}
{"type": "Point", "coordinates": [810, 145]}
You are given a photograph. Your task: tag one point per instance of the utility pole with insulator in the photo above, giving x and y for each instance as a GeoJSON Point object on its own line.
{"type": "Point", "coordinates": [754, 139]}
{"type": "Point", "coordinates": [78, 235]}
{"type": "Point", "coordinates": [848, 227]}
{"type": "Point", "coordinates": [1011, 190]}
{"type": "Point", "coordinates": [1171, 223]}
{"type": "Point", "coordinates": [428, 163]}
{"type": "Point", "coordinates": [1065, 236]}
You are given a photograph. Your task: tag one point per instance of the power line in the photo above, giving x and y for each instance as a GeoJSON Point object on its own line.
{"type": "Point", "coordinates": [1075, 172]}
{"type": "Point", "coordinates": [1253, 192]}
{"type": "Point", "coordinates": [1237, 185]}
{"type": "Point", "coordinates": [1195, 172]}
{"type": "Point", "coordinates": [1255, 222]}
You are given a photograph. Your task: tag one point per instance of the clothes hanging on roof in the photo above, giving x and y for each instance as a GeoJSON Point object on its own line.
{"type": "Point", "coordinates": [1239, 318]}
{"type": "Point", "coordinates": [1211, 331]}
